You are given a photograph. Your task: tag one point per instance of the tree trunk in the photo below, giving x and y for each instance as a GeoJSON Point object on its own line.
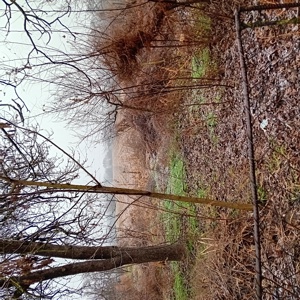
{"type": "Point", "coordinates": [123, 256]}
{"type": "Point", "coordinates": [57, 187]}
{"type": "Point", "coordinates": [78, 252]}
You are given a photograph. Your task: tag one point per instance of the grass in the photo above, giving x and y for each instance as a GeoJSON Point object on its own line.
{"type": "Point", "coordinates": [278, 154]}
{"type": "Point", "coordinates": [202, 66]}
{"type": "Point", "coordinates": [180, 289]}
{"type": "Point", "coordinates": [295, 194]}
{"type": "Point", "coordinates": [180, 220]}
{"type": "Point", "coordinates": [177, 178]}
{"type": "Point", "coordinates": [202, 24]}
{"type": "Point", "coordinates": [201, 63]}
{"type": "Point", "coordinates": [261, 193]}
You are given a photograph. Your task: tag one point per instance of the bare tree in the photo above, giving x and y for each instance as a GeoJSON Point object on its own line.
{"type": "Point", "coordinates": [40, 225]}
{"type": "Point", "coordinates": [95, 259]}
{"type": "Point", "coordinates": [45, 215]}
{"type": "Point", "coordinates": [128, 56]}
{"type": "Point", "coordinates": [87, 77]}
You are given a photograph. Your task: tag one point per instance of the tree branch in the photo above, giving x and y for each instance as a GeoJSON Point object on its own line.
{"type": "Point", "coordinates": [125, 191]}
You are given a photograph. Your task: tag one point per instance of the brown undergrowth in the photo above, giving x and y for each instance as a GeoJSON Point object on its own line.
{"type": "Point", "coordinates": [215, 142]}
{"type": "Point", "coordinates": [148, 50]}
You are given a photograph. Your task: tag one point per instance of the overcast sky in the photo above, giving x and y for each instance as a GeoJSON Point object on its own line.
{"type": "Point", "coordinates": [14, 47]}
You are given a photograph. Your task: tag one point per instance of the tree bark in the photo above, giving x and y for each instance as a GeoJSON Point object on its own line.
{"type": "Point", "coordinates": [75, 252]}
{"type": "Point", "coordinates": [124, 256]}
{"type": "Point", "coordinates": [56, 187]}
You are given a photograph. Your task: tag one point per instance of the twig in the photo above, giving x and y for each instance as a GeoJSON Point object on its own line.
{"type": "Point", "coordinates": [258, 264]}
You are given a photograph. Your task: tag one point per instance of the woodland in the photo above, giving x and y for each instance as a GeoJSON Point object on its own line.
{"type": "Point", "coordinates": [205, 184]}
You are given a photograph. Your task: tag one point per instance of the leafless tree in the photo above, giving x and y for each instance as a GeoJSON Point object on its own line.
{"type": "Point", "coordinates": [40, 225]}
{"type": "Point", "coordinates": [45, 215]}
{"type": "Point", "coordinates": [85, 77]}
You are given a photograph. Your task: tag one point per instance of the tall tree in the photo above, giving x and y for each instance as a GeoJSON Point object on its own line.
{"type": "Point", "coordinates": [45, 216]}
{"type": "Point", "coordinates": [95, 259]}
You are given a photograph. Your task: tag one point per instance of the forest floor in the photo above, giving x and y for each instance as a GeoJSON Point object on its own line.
{"type": "Point", "coordinates": [202, 151]}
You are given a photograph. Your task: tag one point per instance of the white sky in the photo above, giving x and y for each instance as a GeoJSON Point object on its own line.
{"type": "Point", "coordinates": [14, 48]}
